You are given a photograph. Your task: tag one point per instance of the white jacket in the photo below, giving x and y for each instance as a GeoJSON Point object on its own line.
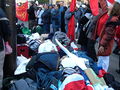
{"type": "Point", "coordinates": [39, 14]}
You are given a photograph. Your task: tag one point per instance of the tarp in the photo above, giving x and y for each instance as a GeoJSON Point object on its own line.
{"type": "Point", "coordinates": [21, 11]}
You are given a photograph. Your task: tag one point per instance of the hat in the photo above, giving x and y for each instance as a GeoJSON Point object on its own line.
{"type": "Point", "coordinates": [84, 6]}
{"type": "Point", "coordinates": [40, 6]}
{"type": "Point", "coordinates": [111, 2]}
{"type": "Point", "coordinates": [77, 5]}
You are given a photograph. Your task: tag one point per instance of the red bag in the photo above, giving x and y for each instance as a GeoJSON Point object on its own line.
{"type": "Point", "coordinates": [23, 50]}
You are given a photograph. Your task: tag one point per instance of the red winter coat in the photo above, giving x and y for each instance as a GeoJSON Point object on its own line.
{"type": "Point", "coordinates": [118, 35]}
{"type": "Point", "coordinates": [107, 32]}
{"type": "Point", "coordinates": [107, 37]}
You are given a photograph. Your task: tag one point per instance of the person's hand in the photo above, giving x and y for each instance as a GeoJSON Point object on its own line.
{"type": "Point", "coordinates": [101, 50]}
{"type": "Point", "coordinates": [8, 49]}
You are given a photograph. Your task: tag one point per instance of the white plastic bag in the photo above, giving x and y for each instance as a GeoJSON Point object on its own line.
{"type": "Point", "coordinates": [47, 46]}
{"type": "Point", "coordinates": [21, 63]}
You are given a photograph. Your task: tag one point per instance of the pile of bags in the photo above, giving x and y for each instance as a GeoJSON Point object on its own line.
{"type": "Point", "coordinates": [49, 70]}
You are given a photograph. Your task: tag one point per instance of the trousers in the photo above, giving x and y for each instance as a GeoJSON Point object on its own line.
{"type": "Point", "coordinates": [2, 56]}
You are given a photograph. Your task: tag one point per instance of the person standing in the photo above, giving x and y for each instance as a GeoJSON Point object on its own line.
{"type": "Point", "coordinates": [46, 19]}
{"type": "Point", "coordinates": [32, 16]}
{"type": "Point", "coordinates": [55, 18]}
{"type": "Point", "coordinates": [5, 48]}
{"type": "Point", "coordinates": [62, 11]}
{"type": "Point", "coordinates": [39, 14]}
{"type": "Point", "coordinates": [105, 30]}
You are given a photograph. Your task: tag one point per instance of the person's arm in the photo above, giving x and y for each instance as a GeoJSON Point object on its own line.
{"type": "Point", "coordinates": [6, 33]}
{"type": "Point", "coordinates": [68, 14]}
{"type": "Point", "coordinates": [109, 32]}
{"type": "Point", "coordinates": [107, 37]}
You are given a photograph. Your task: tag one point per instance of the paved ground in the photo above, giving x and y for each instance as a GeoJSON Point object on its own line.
{"type": "Point", "coordinates": [114, 61]}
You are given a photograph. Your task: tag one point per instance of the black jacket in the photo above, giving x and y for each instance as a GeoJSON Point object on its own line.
{"type": "Point", "coordinates": [31, 12]}
{"type": "Point", "coordinates": [46, 17]}
{"type": "Point", "coordinates": [4, 29]}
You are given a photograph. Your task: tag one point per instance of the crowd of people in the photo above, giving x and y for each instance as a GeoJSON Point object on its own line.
{"type": "Point", "coordinates": [103, 29]}
{"type": "Point", "coordinates": [55, 17]}
{"type": "Point", "coordinates": [89, 28]}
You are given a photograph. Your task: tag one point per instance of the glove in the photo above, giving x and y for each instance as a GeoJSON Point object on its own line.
{"type": "Point", "coordinates": [8, 49]}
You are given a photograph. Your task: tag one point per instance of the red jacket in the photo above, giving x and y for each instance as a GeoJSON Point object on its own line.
{"type": "Point", "coordinates": [102, 12]}
{"type": "Point", "coordinates": [107, 37]}
{"type": "Point", "coordinates": [118, 35]}
{"type": "Point", "coordinates": [107, 32]}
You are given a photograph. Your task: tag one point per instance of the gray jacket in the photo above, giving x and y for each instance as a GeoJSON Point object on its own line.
{"type": "Point", "coordinates": [68, 15]}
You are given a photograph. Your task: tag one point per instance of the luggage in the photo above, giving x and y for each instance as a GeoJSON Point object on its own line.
{"type": "Point", "coordinates": [21, 39]}
{"type": "Point", "coordinates": [23, 49]}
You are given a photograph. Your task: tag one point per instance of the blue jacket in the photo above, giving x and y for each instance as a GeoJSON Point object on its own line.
{"type": "Point", "coordinates": [46, 17]}
{"type": "Point", "coordinates": [55, 18]}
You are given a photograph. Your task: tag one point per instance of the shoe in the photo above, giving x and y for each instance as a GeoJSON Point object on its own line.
{"type": "Point", "coordinates": [118, 71]}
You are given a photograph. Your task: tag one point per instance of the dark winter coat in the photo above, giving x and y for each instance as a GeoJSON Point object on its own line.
{"type": "Point", "coordinates": [31, 12]}
{"type": "Point", "coordinates": [4, 29]}
{"type": "Point", "coordinates": [107, 36]}
{"type": "Point", "coordinates": [46, 17]}
{"type": "Point", "coordinates": [55, 18]}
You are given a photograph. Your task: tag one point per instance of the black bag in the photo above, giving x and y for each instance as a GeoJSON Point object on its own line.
{"type": "Point", "coordinates": [21, 39]}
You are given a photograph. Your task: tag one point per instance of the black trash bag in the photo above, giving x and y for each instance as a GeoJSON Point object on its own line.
{"type": "Point", "coordinates": [21, 39]}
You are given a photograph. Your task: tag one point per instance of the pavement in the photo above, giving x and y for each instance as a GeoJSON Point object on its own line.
{"type": "Point", "coordinates": [114, 64]}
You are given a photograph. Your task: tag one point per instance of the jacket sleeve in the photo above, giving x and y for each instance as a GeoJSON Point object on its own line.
{"type": "Point", "coordinates": [78, 15]}
{"type": "Point", "coordinates": [5, 30]}
{"type": "Point", "coordinates": [108, 35]}
{"type": "Point", "coordinates": [68, 14]}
